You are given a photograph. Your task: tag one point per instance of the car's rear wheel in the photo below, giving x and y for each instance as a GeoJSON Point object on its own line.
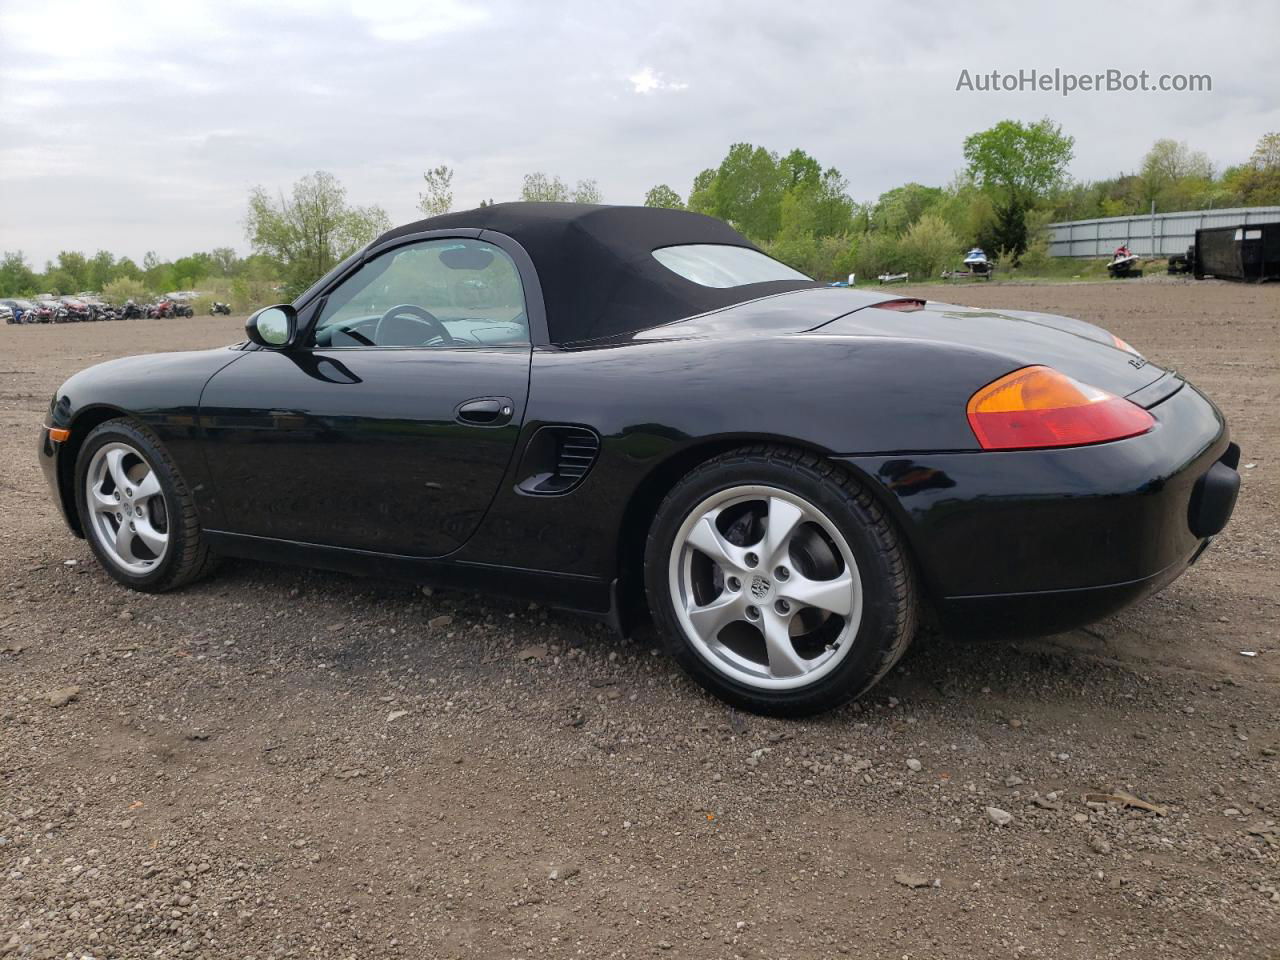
{"type": "Point", "coordinates": [780, 584]}
{"type": "Point", "coordinates": [135, 510]}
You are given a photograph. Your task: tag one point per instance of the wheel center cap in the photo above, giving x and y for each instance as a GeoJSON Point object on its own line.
{"type": "Point", "coordinates": [760, 587]}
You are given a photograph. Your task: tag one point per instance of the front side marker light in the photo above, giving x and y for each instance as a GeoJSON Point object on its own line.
{"type": "Point", "coordinates": [59, 434]}
{"type": "Point", "coordinates": [1038, 407]}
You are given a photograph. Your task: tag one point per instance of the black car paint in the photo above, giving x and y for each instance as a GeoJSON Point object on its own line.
{"type": "Point", "coordinates": [352, 458]}
{"type": "Point", "coordinates": [388, 464]}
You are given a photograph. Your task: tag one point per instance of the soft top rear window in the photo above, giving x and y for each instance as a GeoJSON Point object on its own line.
{"type": "Point", "coordinates": [723, 265]}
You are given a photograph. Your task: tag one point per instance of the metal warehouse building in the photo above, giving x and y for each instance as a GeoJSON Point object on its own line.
{"type": "Point", "coordinates": [1158, 235]}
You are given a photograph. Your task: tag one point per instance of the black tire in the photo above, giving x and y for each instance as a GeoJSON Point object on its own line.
{"type": "Point", "coordinates": [188, 557]}
{"type": "Point", "coordinates": [889, 591]}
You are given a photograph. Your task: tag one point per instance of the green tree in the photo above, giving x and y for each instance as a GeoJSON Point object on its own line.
{"type": "Point", "coordinates": [1025, 160]}
{"type": "Point", "coordinates": [1019, 164]}
{"type": "Point", "coordinates": [539, 188]}
{"type": "Point", "coordinates": [928, 246]}
{"type": "Point", "coordinates": [16, 277]}
{"type": "Point", "coordinates": [188, 271]}
{"type": "Point", "coordinates": [817, 203]}
{"type": "Point", "coordinates": [767, 197]}
{"type": "Point", "coordinates": [1257, 182]}
{"type": "Point", "coordinates": [156, 273]}
{"type": "Point", "coordinates": [877, 253]}
{"type": "Point", "coordinates": [437, 197]}
{"type": "Point", "coordinates": [663, 196]}
{"type": "Point", "coordinates": [73, 271]}
{"type": "Point", "coordinates": [312, 229]}
{"type": "Point", "coordinates": [223, 261]}
{"type": "Point", "coordinates": [124, 288]}
{"type": "Point", "coordinates": [1266, 155]}
{"type": "Point", "coordinates": [1174, 176]}
{"type": "Point", "coordinates": [586, 191]}
{"type": "Point", "coordinates": [798, 169]}
{"type": "Point", "coordinates": [100, 270]}
{"type": "Point", "coordinates": [899, 208]}
{"type": "Point", "coordinates": [701, 194]}
{"type": "Point", "coordinates": [747, 191]}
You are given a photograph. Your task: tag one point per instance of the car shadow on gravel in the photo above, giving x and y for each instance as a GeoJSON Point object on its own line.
{"type": "Point", "coordinates": [361, 628]}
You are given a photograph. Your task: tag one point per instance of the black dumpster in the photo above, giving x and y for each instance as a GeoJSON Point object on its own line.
{"type": "Point", "coordinates": [1247, 252]}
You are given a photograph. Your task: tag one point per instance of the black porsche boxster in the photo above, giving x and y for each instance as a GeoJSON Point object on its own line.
{"type": "Point", "coordinates": [611, 409]}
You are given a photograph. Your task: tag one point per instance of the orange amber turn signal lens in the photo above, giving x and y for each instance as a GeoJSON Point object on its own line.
{"type": "Point", "coordinates": [1039, 407]}
{"type": "Point", "coordinates": [59, 434]}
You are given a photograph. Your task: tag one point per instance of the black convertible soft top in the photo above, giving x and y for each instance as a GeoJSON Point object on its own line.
{"type": "Point", "coordinates": [596, 266]}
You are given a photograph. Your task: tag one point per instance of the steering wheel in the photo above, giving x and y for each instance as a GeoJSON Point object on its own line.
{"type": "Point", "coordinates": [402, 326]}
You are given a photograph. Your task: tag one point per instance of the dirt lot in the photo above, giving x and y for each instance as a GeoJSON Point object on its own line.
{"type": "Point", "coordinates": [288, 763]}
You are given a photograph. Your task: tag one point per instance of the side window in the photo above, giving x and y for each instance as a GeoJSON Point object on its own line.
{"type": "Point", "coordinates": [434, 293]}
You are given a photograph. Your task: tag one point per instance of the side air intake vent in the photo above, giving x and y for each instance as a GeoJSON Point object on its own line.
{"type": "Point", "coordinates": [557, 459]}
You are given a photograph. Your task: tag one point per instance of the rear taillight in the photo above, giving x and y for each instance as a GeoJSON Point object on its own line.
{"type": "Point", "coordinates": [901, 304]}
{"type": "Point", "coordinates": [1040, 407]}
{"type": "Point", "coordinates": [1124, 345]}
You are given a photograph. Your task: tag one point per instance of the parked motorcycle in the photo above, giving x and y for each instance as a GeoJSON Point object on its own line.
{"type": "Point", "coordinates": [44, 311]}
{"type": "Point", "coordinates": [74, 311]}
{"type": "Point", "coordinates": [21, 310]}
{"type": "Point", "coordinates": [160, 310]}
{"type": "Point", "coordinates": [130, 311]}
{"type": "Point", "coordinates": [220, 307]}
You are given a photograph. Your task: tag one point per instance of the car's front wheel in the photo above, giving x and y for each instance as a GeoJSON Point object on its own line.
{"type": "Point", "coordinates": [780, 584]}
{"type": "Point", "coordinates": [135, 510]}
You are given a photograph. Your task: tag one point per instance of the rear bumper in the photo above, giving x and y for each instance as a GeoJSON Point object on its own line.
{"type": "Point", "coordinates": [1046, 540]}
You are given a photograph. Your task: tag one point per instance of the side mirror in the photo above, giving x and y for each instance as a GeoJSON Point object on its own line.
{"type": "Point", "coordinates": [273, 327]}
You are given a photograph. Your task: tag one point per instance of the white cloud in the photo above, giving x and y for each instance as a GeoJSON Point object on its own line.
{"type": "Point", "coordinates": [411, 21]}
{"type": "Point", "coordinates": [646, 80]}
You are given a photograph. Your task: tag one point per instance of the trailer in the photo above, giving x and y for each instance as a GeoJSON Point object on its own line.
{"type": "Point", "coordinates": [976, 265]}
{"type": "Point", "coordinates": [1250, 252]}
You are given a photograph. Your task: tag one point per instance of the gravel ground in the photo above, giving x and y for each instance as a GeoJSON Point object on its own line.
{"type": "Point", "coordinates": [281, 762]}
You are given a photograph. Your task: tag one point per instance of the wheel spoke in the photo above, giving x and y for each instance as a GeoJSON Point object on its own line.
{"type": "Point", "coordinates": [148, 486]}
{"type": "Point", "coordinates": [124, 544]}
{"type": "Point", "coordinates": [707, 538]}
{"type": "Point", "coordinates": [101, 502]}
{"type": "Point", "coordinates": [834, 596]}
{"type": "Point", "coordinates": [783, 659]}
{"type": "Point", "coordinates": [784, 517]}
{"type": "Point", "coordinates": [153, 538]}
{"type": "Point", "coordinates": [716, 615]}
{"type": "Point", "coordinates": [115, 466]}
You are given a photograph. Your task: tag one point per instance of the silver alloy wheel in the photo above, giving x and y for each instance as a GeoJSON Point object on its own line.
{"type": "Point", "coordinates": [128, 515]}
{"type": "Point", "coordinates": [765, 587]}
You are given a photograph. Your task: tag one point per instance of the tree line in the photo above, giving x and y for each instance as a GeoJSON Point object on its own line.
{"type": "Point", "coordinates": [1014, 181]}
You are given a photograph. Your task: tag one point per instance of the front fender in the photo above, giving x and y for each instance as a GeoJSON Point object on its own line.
{"type": "Point", "coordinates": [160, 390]}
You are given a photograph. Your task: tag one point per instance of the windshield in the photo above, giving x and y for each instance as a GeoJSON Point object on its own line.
{"type": "Point", "coordinates": [723, 265]}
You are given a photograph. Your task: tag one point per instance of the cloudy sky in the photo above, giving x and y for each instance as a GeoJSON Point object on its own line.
{"type": "Point", "coordinates": [142, 126]}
